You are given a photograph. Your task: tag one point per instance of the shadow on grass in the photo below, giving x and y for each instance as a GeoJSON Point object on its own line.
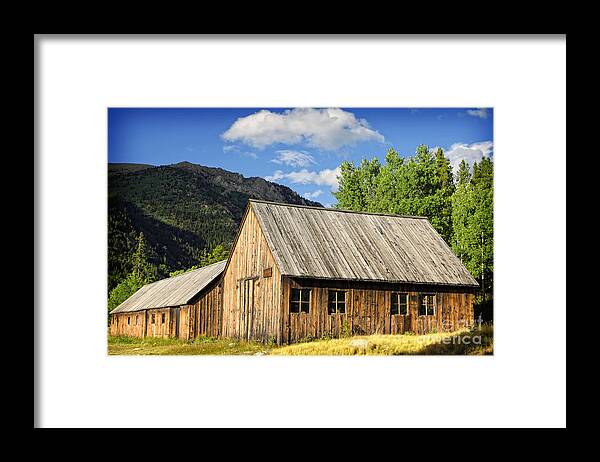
{"type": "Point", "coordinates": [476, 342]}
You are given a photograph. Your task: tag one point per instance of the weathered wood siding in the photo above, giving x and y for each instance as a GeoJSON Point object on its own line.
{"type": "Point", "coordinates": [368, 310]}
{"type": "Point", "coordinates": [251, 298]}
{"type": "Point", "coordinates": [186, 322]}
{"type": "Point", "coordinates": [131, 324]}
{"type": "Point", "coordinates": [206, 313]}
{"type": "Point", "coordinates": [158, 328]}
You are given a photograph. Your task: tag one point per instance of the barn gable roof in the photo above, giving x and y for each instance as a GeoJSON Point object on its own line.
{"type": "Point", "coordinates": [325, 243]}
{"type": "Point", "coordinates": [173, 291]}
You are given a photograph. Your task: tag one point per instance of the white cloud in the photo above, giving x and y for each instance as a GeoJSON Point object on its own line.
{"type": "Point", "coordinates": [314, 194]}
{"type": "Point", "coordinates": [277, 175]}
{"type": "Point", "coordinates": [327, 177]}
{"type": "Point", "coordinates": [473, 152]}
{"type": "Point", "coordinates": [294, 158]}
{"type": "Point", "coordinates": [327, 129]}
{"type": "Point", "coordinates": [236, 149]}
{"type": "Point", "coordinates": [481, 112]}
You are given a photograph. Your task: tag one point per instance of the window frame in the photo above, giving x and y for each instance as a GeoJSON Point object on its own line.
{"type": "Point", "coordinates": [300, 301]}
{"type": "Point", "coordinates": [396, 296]}
{"type": "Point", "coordinates": [432, 297]}
{"type": "Point", "coordinates": [336, 301]}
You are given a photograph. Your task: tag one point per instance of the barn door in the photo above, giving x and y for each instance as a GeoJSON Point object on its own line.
{"type": "Point", "coordinates": [247, 308]}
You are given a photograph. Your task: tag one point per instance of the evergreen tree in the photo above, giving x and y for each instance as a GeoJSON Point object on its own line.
{"type": "Point", "coordinates": [446, 187]}
{"type": "Point", "coordinates": [142, 268]}
{"type": "Point", "coordinates": [472, 222]}
{"type": "Point", "coordinates": [444, 172]}
{"type": "Point", "coordinates": [143, 272]}
{"type": "Point", "coordinates": [463, 175]}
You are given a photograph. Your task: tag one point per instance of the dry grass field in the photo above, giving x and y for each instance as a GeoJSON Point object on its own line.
{"type": "Point", "coordinates": [464, 342]}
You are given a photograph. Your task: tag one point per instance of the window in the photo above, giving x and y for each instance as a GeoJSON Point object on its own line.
{"type": "Point", "coordinates": [163, 318]}
{"type": "Point", "coordinates": [337, 301]}
{"type": "Point", "coordinates": [399, 303]}
{"type": "Point", "coordinates": [300, 301]}
{"type": "Point", "coordinates": [137, 320]}
{"type": "Point", "coordinates": [267, 272]}
{"type": "Point", "coordinates": [128, 320]}
{"type": "Point", "coordinates": [153, 318]}
{"type": "Point", "coordinates": [427, 305]}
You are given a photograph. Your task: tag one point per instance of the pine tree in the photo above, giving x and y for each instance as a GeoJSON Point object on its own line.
{"type": "Point", "coordinates": [142, 268]}
{"type": "Point", "coordinates": [473, 222]}
{"type": "Point", "coordinates": [142, 273]}
{"type": "Point", "coordinates": [444, 172]}
{"type": "Point", "coordinates": [463, 175]}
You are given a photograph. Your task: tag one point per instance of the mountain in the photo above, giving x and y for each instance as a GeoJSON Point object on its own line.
{"type": "Point", "coordinates": [182, 209]}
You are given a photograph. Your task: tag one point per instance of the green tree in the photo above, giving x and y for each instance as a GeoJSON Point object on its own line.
{"type": "Point", "coordinates": [463, 176]}
{"type": "Point", "coordinates": [142, 268]}
{"type": "Point", "coordinates": [220, 252]}
{"type": "Point", "coordinates": [392, 184]}
{"type": "Point", "coordinates": [143, 272]}
{"type": "Point", "coordinates": [368, 174]}
{"type": "Point", "coordinates": [125, 289]}
{"type": "Point", "coordinates": [442, 214]}
{"type": "Point", "coordinates": [419, 185]}
{"type": "Point", "coordinates": [472, 222]}
{"type": "Point", "coordinates": [349, 194]}
{"type": "Point", "coordinates": [444, 172]}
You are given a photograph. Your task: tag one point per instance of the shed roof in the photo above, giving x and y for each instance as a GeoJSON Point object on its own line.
{"type": "Point", "coordinates": [173, 291]}
{"type": "Point", "coordinates": [327, 243]}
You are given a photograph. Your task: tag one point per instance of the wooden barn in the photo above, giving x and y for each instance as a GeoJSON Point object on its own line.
{"type": "Point", "coordinates": [298, 272]}
{"type": "Point", "coordinates": [183, 306]}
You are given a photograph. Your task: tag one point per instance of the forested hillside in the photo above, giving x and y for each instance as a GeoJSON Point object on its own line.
{"type": "Point", "coordinates": [183, 211]}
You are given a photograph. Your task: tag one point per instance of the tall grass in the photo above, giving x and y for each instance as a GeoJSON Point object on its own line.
{"type": "Point", "coordinates": [462, 342]}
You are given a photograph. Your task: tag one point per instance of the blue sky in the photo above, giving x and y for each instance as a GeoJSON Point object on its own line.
{"type": "Point", "coordinates": [298, 147]}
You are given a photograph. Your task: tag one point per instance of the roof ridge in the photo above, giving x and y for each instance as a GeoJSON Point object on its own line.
{"type": "Point", "coordinates": [186, 273]}
{"type": "Point", "coordinates": [332, 209]}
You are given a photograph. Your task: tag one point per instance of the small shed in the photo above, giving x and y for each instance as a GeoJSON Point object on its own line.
{"type": "Point", "coordinates": [183, 306]}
